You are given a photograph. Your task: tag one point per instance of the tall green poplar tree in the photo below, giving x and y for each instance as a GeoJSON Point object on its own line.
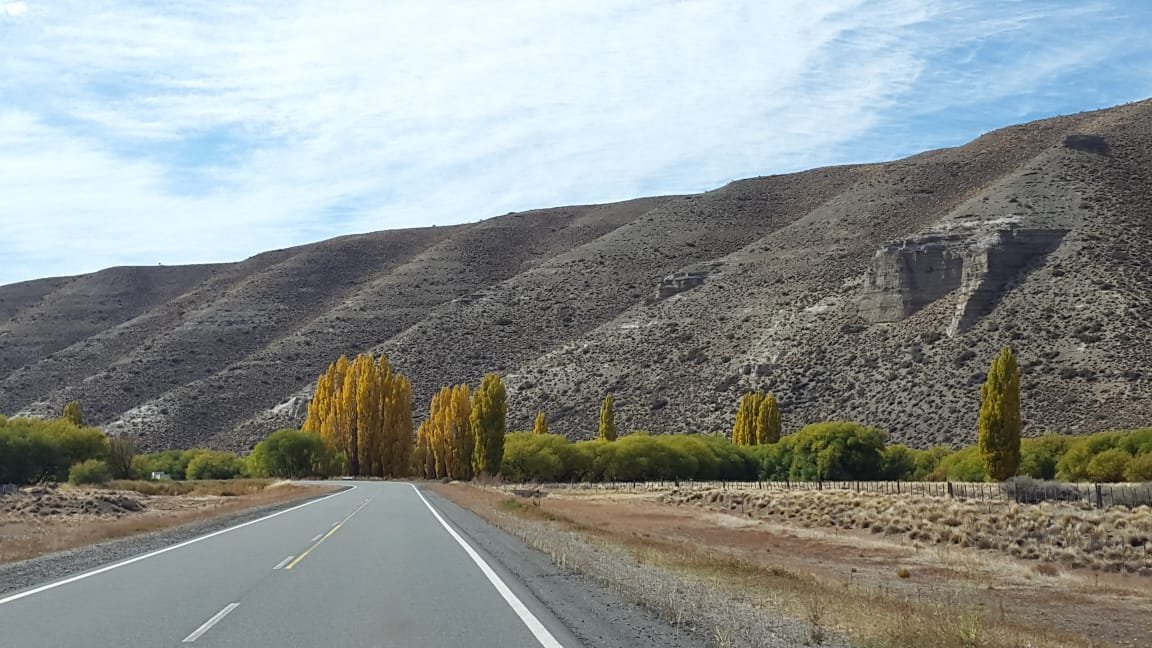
{"type": "Point", "coordinates": [999, 423]}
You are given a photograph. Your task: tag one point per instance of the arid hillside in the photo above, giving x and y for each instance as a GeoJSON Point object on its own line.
{"type": "Point", "coordinates": [877, 293]}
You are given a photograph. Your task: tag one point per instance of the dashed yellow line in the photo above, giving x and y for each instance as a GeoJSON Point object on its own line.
{"type": "Point", "coordinates": [326, 536]}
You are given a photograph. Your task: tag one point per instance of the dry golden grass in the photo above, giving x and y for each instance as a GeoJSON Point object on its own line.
{"type": "Point", "coordinates": [216, 487]}
{"type": "Point", "coordinates": [25, 535]}
{"type": "Point", "coordinates": [1073, 535]}
{"type": "Point", "coordinates": [949, 598]}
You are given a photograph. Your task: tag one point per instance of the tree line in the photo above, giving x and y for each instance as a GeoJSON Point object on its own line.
{"type": "Point", "coordinates": [359, 423]}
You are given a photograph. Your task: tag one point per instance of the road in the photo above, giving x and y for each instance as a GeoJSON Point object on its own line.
{"type": "Point", "coordinates": [375, 565]}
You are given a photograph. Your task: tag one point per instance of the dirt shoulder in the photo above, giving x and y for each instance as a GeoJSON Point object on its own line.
{"type": "Point", "coordinates": [42, 520]}
{"type": "Point", "coordinates": [875, 589]}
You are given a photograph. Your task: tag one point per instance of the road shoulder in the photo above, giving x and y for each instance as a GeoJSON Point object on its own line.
{"type": "Point", "coordinates": [596, 616]}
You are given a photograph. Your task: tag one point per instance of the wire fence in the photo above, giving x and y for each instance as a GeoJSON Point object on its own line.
{"type": "Point", "coordinates": [1025, 491]}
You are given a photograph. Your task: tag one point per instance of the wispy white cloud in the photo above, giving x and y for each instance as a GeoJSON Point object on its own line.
{"type": "Point", "coordinates": [172, 132]}
{"type": "Point", "coordinates": [14, 9]}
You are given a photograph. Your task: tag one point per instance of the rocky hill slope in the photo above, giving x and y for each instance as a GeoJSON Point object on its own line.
{"type": "Point", "coordinates": [878, 293]}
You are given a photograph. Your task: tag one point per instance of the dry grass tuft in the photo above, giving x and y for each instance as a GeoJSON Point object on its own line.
{"type": "Point", "coordinates": [1072, 534]}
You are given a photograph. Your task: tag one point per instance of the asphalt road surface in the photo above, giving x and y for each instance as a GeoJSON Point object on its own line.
{"type": "Point", "coordinates": [376, 565]}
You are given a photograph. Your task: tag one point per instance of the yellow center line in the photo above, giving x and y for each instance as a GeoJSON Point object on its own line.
{"type": "Point", "coordinates": [326, 536]}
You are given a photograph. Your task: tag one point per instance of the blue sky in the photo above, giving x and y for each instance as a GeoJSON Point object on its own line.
{"type": "Point", "coordinates": [143, 132]}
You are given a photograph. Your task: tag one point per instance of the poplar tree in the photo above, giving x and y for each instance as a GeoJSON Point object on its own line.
{"type": "Point", "coordinates": [362, 409]}
{"type": "Point", "coordinates": [447, 434]}
{"type": "Point", "coordinates": [459, 430]}
{"type": "Point", "coordinates": [999, 424]}
{"type": "Point", "coordinates": [608, 419]}
{"type": "Point", "coordinates": [541, 424]}
{"type": "Point", "coordinates": [73, 414]}
{"type": "Point", "coordinates": [767, 420]}
{"type": "Point", "coordinates": [743, 430]}
{"type": "Point", "coordinates": [489, 419]}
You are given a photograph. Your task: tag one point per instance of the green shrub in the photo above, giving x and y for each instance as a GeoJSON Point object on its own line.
{"type": "Point", "coordinates": [33, 450]}
{"type": "Point", "coordinates": [173, 462]}
{"type": "Point", "coordinates": [837, 450]}
{"type": "Point", "coordinates": [1039, 456]}
{"type": "Point", "coordinates": [1109, 466]}
{"type": "Point", "coordinates": [211, 464]}
{"type": "Point", "coordinates": [1073, 464]}
{"type": "Point", "coordinates": [290, 454]}
{"type": "Point", "coordinates": [1139, 469]}
{"type": "Point", "coordinates": [1136, 442]}
{"type": "Point", "coordinates": [636, 457]}
{"type": "Point", "coordinates": [963, 465]}
{"type": "Point", "coordinates": [897, 463]}
{"type": "Point", "coordinates": [533, 457]}
{"type": "Point", "coordinates": [91, 471]}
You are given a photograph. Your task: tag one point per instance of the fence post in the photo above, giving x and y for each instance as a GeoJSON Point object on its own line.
{"type": "Point", "coordinates": [1099, 497]}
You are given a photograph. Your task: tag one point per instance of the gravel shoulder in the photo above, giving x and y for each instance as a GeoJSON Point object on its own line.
{"type": "Point", "coordinates": [706, 611]}
{"type": "Point", "coordinates": [44, 569]}
{"type": "Point", "coordinates": [599, 616]}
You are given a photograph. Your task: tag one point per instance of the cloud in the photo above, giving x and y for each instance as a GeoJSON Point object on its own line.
{"type": "Point", "coordinates": [267, 124]}
{"type": "Point", "coordinates": [14, 9]}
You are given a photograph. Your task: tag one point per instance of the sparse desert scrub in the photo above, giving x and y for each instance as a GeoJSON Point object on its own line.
{"type": "Point", "coordinates": [741, 584]}
{"type": "Point", "coordinates": [1075, 535]}
{"type": "Point", "coordinates": [44, 519]}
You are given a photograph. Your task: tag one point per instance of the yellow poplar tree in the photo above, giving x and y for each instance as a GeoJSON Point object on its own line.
{"type": "Point", "coordinates": [608, 419]}
{"type": "Point", "coordinates": [447, 433]}
{"type": "Point", "coordinates": [767, 420]}
{"type": "Point", "coordinates": [999, 424]}
{"type": "Point", "coordinates": [541, 424]}
{"type": "Point", "coordinates": [460, 428]}
{"type": "Point", "coordinates": [489, 419]}
{"type": "Point", "coordinates": [743, 431]}
{"type": "Point", "coordinates": [363, 411]}
{"type": "Point", "coordinates": [74, 414]}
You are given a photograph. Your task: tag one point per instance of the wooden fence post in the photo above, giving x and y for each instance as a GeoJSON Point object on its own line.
{"type": "Point", "coordinates": [1099, 497]}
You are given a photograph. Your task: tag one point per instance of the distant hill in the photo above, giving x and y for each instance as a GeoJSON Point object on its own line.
{"type": "Point", "coordinates": [878, 293]}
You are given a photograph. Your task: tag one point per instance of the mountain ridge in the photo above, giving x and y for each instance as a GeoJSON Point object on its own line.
{"type": "Point", "coordinates": [876, 292]}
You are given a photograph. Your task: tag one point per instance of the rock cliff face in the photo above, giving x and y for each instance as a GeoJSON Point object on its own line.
{"type": "Point", "coordinates": [878, 293]}
{"type": "Point", "coordinates": [973, 269]}
{"type": "Point", "coordinates": [993, 265]}
{"type": "Point", "coordinates": [908, 275]}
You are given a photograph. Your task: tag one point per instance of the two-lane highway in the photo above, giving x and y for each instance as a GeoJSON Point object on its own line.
{"type": "Point", "coordinates": [375, 565]}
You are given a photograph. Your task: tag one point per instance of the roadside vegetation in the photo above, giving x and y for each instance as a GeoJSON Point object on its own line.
{"type": "Point", "coordinates": [359, 423]}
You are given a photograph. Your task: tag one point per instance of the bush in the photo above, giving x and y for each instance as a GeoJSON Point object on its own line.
{"type": "Point", "coordinates": [636, 457]}
{"type": "Point", "coordinates": [963, 465]}
{"type": "Point", "coordinates": [1039, 456]}
{"type": "Point", "coordinates": [92, 471]}
{"type": "Point", "coordinates": [33, 450]}
{"type": "Point", "coordinates": [1109, 466]}
{"type": "Point", "coordinates": [121, 456]}
{"type": "Point", "coordinates": [290, 454]}
{"type": "Point", "coordinates": [1139, 469]}
{"type": "Point", "coordinates": [533, 457]}
{"type": "Point", "coordinates": [172, 462]}
{"type": "Point", "coordinates": [1032, 491]}
{"type": "Point", "coordinates": [211, 464]}
{"type": "Point", "coordinates": [837, 450]}
{"type": "Point", "coordinates": [1073, 465]}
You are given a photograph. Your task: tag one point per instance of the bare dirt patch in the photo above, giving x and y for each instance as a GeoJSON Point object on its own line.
{"type": "Point", "coordinates": [881, 589]}
{"type": "Point", "coordinates": [41, 520]}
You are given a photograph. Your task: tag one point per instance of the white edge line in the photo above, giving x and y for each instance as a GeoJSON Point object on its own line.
{"type": "Point", "coordinates": [78, 577]}
{"type": "Point", "coordinates": [534, 625]}
{"type": "Point", "coordinates": [283, 562]}
{"type": "Point", "coordinates": [210, 622]}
